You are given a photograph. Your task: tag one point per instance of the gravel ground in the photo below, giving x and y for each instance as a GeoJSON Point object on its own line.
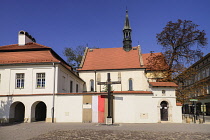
{"type": "Point", "coordinates": [91, 131]}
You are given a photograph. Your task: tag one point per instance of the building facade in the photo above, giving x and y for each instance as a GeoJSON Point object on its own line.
{"type": "Point", "coordinates": [194, 83]}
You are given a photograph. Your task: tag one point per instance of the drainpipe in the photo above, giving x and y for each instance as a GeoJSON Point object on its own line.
{"type": "Point", "coordinates": [53, 106]}
{"type": "Point", "coordinates": [95, 80]}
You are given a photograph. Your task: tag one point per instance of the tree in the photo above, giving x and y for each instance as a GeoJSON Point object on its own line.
{"type": "Point", "coordinates": [182, 43]}
{"type": "Point", "coordinates": [74, 56]}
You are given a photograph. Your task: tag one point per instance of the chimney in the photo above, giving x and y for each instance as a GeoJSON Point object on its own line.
{"type": "Point", "coordinates": [24, 38]}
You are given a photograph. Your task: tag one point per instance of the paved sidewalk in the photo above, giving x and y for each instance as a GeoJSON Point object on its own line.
{"type": "Point", "coordinates": [68, 131]}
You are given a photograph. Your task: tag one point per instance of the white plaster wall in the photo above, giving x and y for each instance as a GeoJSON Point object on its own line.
{"type": "Point", "coordinates": [8, 79]}
{"type": "Point", "coordinates": [177, 117]}
{"type": "Point", "coordinates": [130, 108]}
{"type": "Point", "coordinates": [138, 76]}
{"type": "Point", "coordinates": [69, 108]}
{"type": "Point", "coordinates": [169, 91]}
{"type": "Point", "coordinates": [64, 85]}
{"type": "Point", "coordinates": [28, 102]}
{"type": "Point", "coordinates": [135, 108]}
{"type": "Point", "coordinates": [174, 112]}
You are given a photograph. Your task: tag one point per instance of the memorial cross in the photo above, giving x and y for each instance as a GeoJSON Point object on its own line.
{"type": "Point", "coordinates": [108, 83]}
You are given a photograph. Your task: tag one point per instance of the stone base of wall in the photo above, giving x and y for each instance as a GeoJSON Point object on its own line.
{"type": "Point", "coordinates": [50, 120]}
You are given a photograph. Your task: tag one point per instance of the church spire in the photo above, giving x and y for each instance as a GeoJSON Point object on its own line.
{"type": "Point", "coordinates": [127, 42]}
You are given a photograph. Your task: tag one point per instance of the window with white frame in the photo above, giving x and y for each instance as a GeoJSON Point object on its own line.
{"type": "Point", "coordinates": [19, 80]}
{"type": "Point", "coordinates": [40, 80]}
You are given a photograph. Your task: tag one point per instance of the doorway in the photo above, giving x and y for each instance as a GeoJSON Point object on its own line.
{"type": "Point", "coordinates": [164, 111]}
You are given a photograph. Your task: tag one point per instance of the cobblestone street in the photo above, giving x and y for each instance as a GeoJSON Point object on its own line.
{"type": "Point", "coordinates": [119, 135]}
{"type": "Point", "coordinates": [69, 131]}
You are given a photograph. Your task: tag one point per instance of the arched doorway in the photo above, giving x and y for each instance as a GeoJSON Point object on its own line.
{"type": "Point", "coordinates": [38, 111]}
{"type": "Point", "coordinates": [17, 112]}
{"type": "Point", "coordinates": [164, 111]}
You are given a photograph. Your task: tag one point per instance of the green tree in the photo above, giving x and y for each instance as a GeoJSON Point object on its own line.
{"type": "Point", "coordinates": [182, 43]}
{"type": "Point", "coordinates": [74, 56]}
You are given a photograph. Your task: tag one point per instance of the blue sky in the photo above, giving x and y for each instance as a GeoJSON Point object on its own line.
{"type": "Point", "coordinates": [70, 23]}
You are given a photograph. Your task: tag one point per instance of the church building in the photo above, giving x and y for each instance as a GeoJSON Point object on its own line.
{"type": "Point", "coordinates": [36, 84]}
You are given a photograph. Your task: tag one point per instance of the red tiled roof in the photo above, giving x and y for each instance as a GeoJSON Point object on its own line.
{"type": "Point", "coordinates": [147, 55]}
{"type": "Point", "coordinates": [31, 45]}
{"type": "Point", "coordinates": [163, 84]}
{"type": "Point", "coordinates": [150, 64]}
{"type": "Point", "coordinates": [111, 58]}
{"type": "Point", "coordinates": [27, 57]}
{"type": "Point", "coordinates": [178, 104]}
{"type": "Point", "coordinates": [30, 53]}
{"type": "Point", "coordinates": [114, 58]}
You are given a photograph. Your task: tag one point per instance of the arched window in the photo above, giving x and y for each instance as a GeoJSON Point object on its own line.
{"type": "Point", "coordinates": [130, 84]}
{"type": "Point", "coordinates": [91, 85]}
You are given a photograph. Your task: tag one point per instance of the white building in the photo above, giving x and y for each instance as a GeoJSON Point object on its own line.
{"type": "Point", "coordinates": [37, 85]}
{"type": "Point", "coordinates": [32, 78]}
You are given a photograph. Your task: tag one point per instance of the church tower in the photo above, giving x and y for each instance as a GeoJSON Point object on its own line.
{"type": "Point", "coordinates": [127, 42]}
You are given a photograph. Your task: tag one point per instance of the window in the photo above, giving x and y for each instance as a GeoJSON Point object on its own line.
{"type": "Point", "coordinates": [91, 85]}
{"type": "Point", "coordinates": [63, 83]}
{"type": "Point", "coordinates": [40, 80]}
{"type": "Point", "coordinates": [20, 80]}
{"type": "Point", "coordinates": [71, 86]}
{"type": "Point", "coordinates": [77, 88]}
{"type": "Point", "coordinates": [198, 76]}
{"type": "Point", "coordinates": [130, 84]}
{"type": "Point", "coordinates": [204, 73]}
{"type": "Point", "coordinates": [163, 93]}
{"type": "Point", "coordinates": [207, 72]}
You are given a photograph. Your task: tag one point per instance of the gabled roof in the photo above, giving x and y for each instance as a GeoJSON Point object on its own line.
{"type": "Point", "coordinates": [27, 57]}
{"type": "Point", "coordinates": [115, 58]}
{"type": "Point", "coordinates": [29, 53]}
{"type": "Point", "coordinates": [111, 58]}
{"type": "Point", "coordinates": [163, 84]}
